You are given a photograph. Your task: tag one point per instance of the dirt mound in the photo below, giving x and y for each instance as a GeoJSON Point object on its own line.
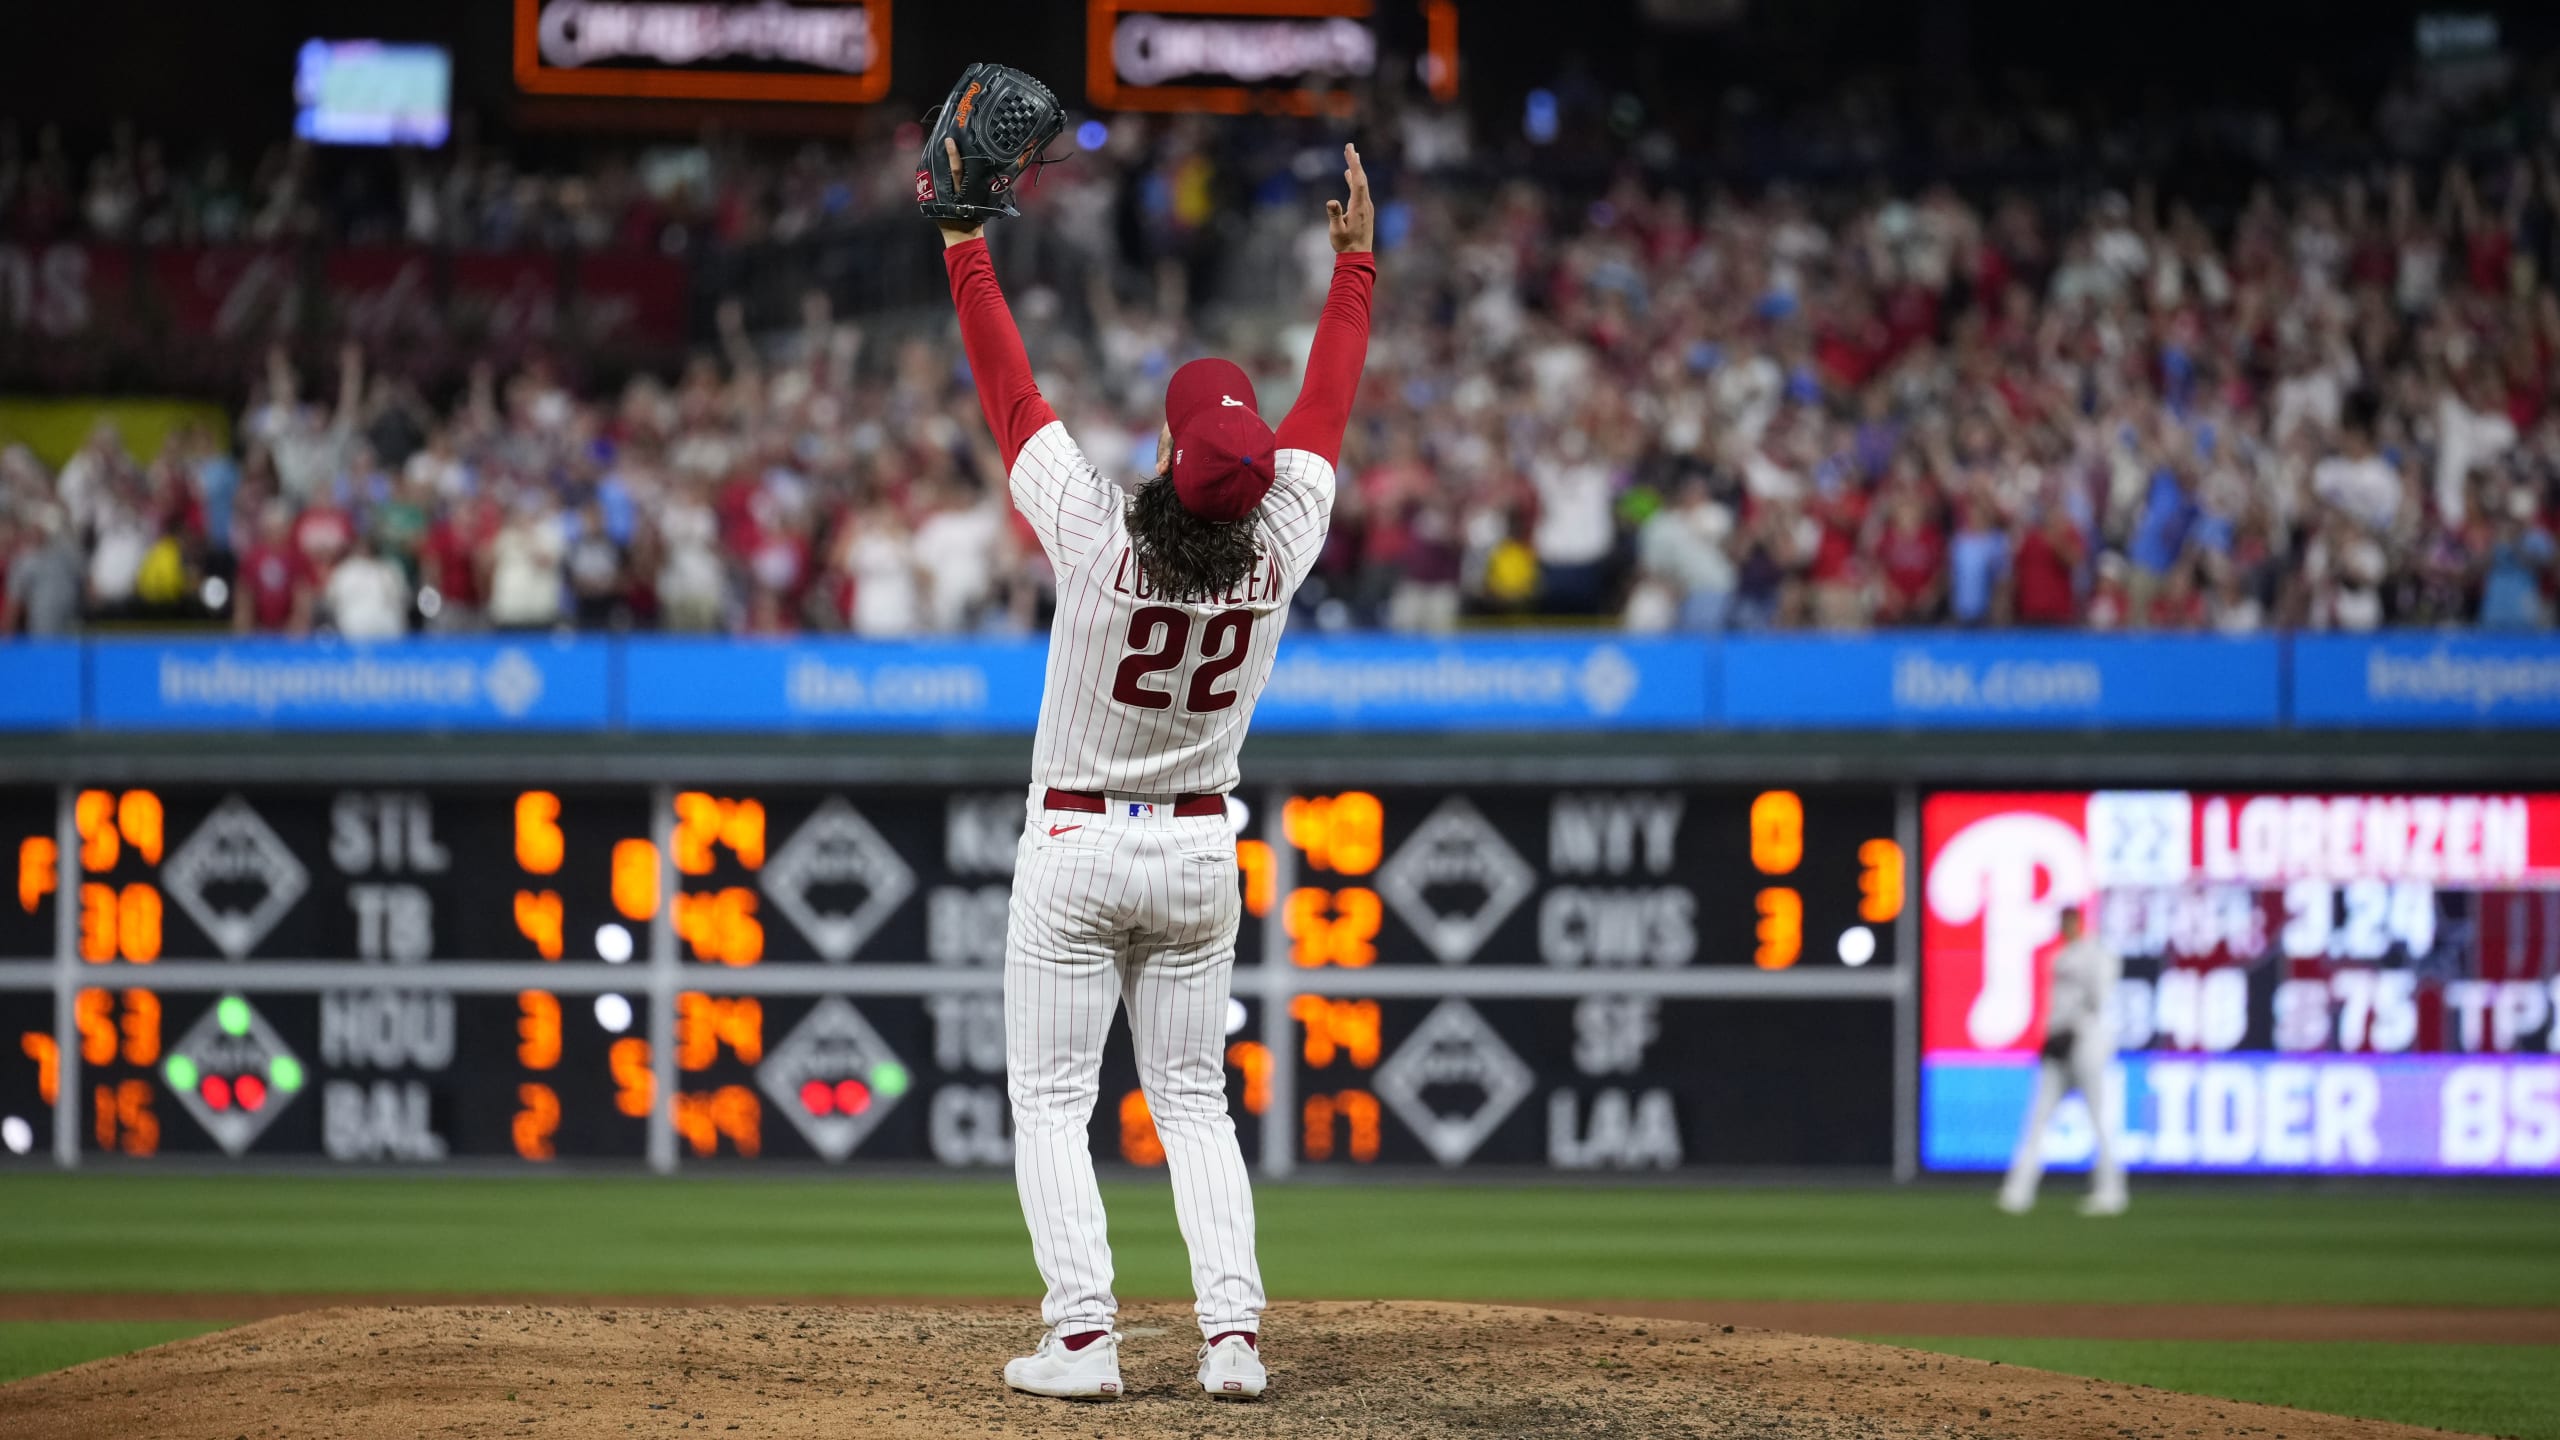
{"type": "Point", "coordinates": [1408, 1371]}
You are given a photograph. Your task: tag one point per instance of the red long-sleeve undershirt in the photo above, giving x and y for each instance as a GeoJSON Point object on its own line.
{"type": "Point", "coordinates": [1315, 424]}
{"type": "Point", "coordinates": [1016, 412]}
{"type": "Point", "coordinates": [1006, 391]}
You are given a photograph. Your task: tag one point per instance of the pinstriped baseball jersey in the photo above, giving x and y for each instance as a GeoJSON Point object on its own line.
{"type": "Point", "coordinates": [1147, 692]}
{"type": "Point", "coordinates": [1120, 904]}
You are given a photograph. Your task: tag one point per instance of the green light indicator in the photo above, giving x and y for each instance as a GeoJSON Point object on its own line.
{"type": "Point", "coordinates": [285, 1073]}
{"type": "Point", "coordinates": [889, 1079]}
{"type": "Point", "coordinates": [233, 1015]}
{"type": "Point", "coordinates": [181, 1073]}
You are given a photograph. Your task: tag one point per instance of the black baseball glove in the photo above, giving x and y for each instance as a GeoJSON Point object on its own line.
{"type": "Point", "coordinates": [998, 120]}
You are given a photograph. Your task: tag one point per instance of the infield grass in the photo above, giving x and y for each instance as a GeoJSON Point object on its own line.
{"type": "Point", "coordinates": [2511, 1390]}
{"type": "Point", "coordinates": [31, 1347]}
{"type": "Point", "coordinates": [813, 1236]}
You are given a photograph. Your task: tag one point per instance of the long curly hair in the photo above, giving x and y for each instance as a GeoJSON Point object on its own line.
{"type": "Point", "coordinates": [1184, 555]}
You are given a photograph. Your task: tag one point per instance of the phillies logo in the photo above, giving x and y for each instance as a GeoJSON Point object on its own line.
{"type": "Point", "coordinates": [2015, 872]}
{"type": "Point", "coordinates": [924, 186]}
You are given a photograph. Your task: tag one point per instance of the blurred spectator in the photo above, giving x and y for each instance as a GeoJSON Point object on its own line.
{"type": "Point", "coordinates": [43, 588]}
{"type": "Point", "coordinates": [367, 596]}
{"type": "Point", "coordinates": [524, 564]}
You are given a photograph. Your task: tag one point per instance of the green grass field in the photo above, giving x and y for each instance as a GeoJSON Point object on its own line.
{"type": "Point", "coordinates": [807, 1236]}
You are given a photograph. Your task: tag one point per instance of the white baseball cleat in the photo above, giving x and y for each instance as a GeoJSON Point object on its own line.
{"type": "Point", "coordinates": [2104, 1202]}
{"type": "Point", "coordinates": [1092, 1373]}
{"type": "Point", "coordinates": [1232, 1369]}
{"type": "Point", "coordinates": [2013, 1203]}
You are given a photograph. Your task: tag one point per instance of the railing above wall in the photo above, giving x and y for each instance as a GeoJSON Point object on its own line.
{"type": "Point", "coordinates": [1909, 681]}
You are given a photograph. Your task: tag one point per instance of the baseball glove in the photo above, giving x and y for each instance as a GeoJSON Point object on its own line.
{"type": "Point", "coordinates": [1000, 120]}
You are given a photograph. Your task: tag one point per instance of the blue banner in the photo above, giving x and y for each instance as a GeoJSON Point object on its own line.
{"type": "Point", "coordinates": [537, 683]}
{"type": "Point", "coordinates": [978, 685]}
{"type": "Point", "coordinates": [1944, 681]}
{"type": "Point", "coordinates": [2441, 681]}
{"type": "Point", "coordinates": [40, 685]}
{"type": "Point", "coordinates": [1540, 682]}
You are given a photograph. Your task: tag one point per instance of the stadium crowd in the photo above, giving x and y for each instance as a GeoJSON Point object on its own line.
{"type": "Point", "coordinates": [1663, 406]}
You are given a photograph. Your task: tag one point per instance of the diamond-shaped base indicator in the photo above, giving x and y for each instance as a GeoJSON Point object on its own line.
{"type": "Point", "coordinates": [233, 1073]}
{"type": "Point", "coordinates": [836, 847]}
{"type": "Point", "coordinates": [834, 1078]}
{"type": "Point", "coordinates": [1454, 1050]}
{"type": "Point", "coordinates": [1456, 848]}
{"type": "Point", "coordinates": [234, 848]}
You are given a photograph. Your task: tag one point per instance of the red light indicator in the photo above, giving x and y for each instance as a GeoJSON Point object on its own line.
{"type": "Point", "coordinates": [216, 1092]}
{"type": "Point", "coordinates": [852, 1096]}
{"type": "Point", "coordinates": [817, 1098]}
{"type": "Point", "coordinates": [251, 1090]}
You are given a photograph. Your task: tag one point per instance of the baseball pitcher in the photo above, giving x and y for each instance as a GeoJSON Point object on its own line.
{"type": "Point", "coordinates": [2079, 1054]}
{"type": "Point", "coordinates": [1171, 596]}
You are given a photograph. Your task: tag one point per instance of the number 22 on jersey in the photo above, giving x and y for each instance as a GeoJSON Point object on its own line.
{"type": "Point", "coordinates": [1159, 639]}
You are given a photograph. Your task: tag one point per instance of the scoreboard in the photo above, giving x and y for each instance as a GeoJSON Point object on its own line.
{"type": "Point", "coordinates": [2340, 982]}
{"type": "Point", "coordinates": [1451, 975]}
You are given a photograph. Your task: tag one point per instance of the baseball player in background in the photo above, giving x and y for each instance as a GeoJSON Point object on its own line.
{"type": "Point", "coordinates": [1171, 596]}
{"type": "Point", "coordinates": [2079, 1054]}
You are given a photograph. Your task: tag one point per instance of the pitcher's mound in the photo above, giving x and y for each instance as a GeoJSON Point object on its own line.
{"type": "Point", "coordinates": [1403, 1371]}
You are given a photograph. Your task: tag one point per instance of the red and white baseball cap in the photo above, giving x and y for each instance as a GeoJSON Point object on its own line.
{"type": "Point", "coordinates": [1221, 448]}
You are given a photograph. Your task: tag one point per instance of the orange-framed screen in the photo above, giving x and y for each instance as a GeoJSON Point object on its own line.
{"type": "Point", "coordinates": [798, 50]}
{"type": "Point", "coordinates": [1232, 57]}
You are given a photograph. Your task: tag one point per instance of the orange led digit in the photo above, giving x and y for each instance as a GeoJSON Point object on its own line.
{"type": "Point", "coordinates": [537, 1029]}
{"type": "Point", "coordinates": [38, 859]}
{"type": "Point", "coordinates": [1880, 877]}
{"type": "Point", "coordinates": [738, 1114]}
{"type": "Point", "coordinates": [141, 1028]}
{"type": "Point", "coordinates": [138, 923]}
{"type": "Point", "coordinates": [1781, 928]}
{"type": "Point", "coordinates": [97, 922]}
{"type": "Point", "coordinates": [140, 820]}
{"type": "Point", "coordinates": [93, 1012]}
{"type": "Point", "coordinates": [1357, 832]}
{"type": "Point", "coordinates": [539, 846]}
{"type": "Point", "coordinates": [1252, 1060]}
{"type": "Point", "coordinates": [1303, 823]}
{"type": "Point", "coordinates": [1358, 912]}
{"type": "Point", "coordinates": [1139, 1143]}
{"type": "Point", "coordinates": [635, 879]}
{"type": "Point", "coordinates": [538, 920]}
{"type": "Point", "coordinates": [1315, 1127]}
{"type": "Point", "coordinates": [635, 1087]}
{"type": "Point", "coordinates": [742, 830]}
{"type": "Point", "coordinates": [1261, 875]}
{"type": "Point", "coordinates": [697, 825]}
{"type": "Point", "coordinates": [94, 816]}
{"type": "Point", "coordinates": [742, 1025]}
{"type": "Point", "coordinates": [1360, 1108]}
{"type": "Point", "coordinates": [697, 1033]}
{"type": "Point", "coordinates": [1777, 832]}
{"type": "Point", "coordinates": [537, 1122]}
{"type": "Point", "coordinates": [40, 1047]}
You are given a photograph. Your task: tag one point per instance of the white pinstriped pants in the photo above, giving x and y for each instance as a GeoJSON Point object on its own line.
{"type": "Point", "coordinates": [1108, 910]}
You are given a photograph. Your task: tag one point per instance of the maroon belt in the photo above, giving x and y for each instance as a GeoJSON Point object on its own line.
{"type": "Point", "coordinates": [1184, 806]}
